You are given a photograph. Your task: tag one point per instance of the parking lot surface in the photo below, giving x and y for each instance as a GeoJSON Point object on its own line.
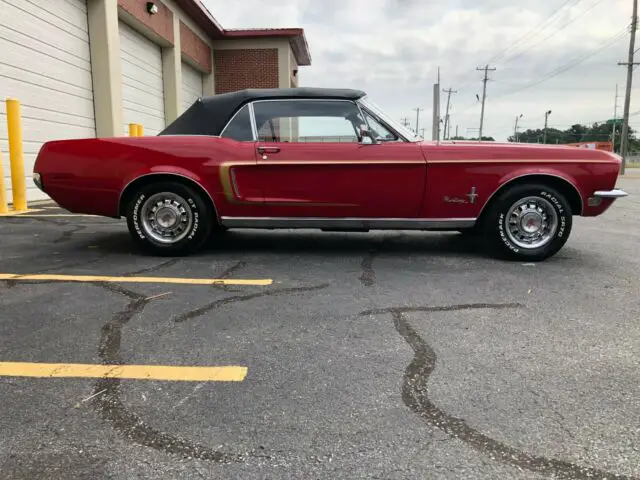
{"type": "Point", "coordinates": [282, 354]}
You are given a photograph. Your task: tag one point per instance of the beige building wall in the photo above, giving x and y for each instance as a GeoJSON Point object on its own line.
{"type": "Point", "coordinates": [107, 71]}
{"type": "Point", "coordinates": [105, 55]}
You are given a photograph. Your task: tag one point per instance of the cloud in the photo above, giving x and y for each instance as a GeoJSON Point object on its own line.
{"type": "Point", "coordinates": [392, 49]}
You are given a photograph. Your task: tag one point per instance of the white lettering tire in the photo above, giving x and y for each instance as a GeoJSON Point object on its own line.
{"type": "Point", "coordinates": [528, 223]}
{"type": "Point", "coordinates": [168, 219]}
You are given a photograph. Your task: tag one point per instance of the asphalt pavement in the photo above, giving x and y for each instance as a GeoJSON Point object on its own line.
{"type": "Point", "coordinates": [382, 355]}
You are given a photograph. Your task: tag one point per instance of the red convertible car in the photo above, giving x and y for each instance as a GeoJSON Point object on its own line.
{"type": "Point", "coordinates": [328, 159]}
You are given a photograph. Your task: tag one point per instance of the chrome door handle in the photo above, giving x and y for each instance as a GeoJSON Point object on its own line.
{"type": "Point", "coordinates": [268, 149]}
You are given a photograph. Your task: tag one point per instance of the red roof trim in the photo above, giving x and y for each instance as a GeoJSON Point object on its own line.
{"type": "Point", "coordinates": [296, 36]}
{"type": "Point", "coordinates": [201, 15]}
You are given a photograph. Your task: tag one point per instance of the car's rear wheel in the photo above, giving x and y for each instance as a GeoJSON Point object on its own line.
{"type": "Point", "coordinates": [528, 222]}
{"type": "Point", "coordinates": [168, 218]}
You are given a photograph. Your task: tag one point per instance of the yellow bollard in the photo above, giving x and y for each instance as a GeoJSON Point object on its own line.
{"type": "Point", "coordinates": [4, 208]}
{"type": "Point", "coordinates": [140, 130]}
{"type": "Point", "coordinates": [16, 155]}
{"type": "Point", "coordinates": [133, 130]}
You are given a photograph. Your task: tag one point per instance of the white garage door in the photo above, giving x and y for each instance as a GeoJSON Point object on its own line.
{"type": "Point", "coordinates": [191, 85]}
{"type": "Point", "coordinates": [45, 63]}
{"type": "Point", "coordinates": [142, 87]}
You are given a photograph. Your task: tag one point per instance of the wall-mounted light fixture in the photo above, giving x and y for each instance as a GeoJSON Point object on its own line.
{"type": "Point", "coordinates": [152, 8]}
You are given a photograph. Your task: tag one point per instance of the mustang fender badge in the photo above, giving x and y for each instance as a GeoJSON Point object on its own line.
{"type": "Point", "coordinates": [472, 196]}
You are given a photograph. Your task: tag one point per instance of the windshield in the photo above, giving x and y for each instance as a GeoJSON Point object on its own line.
{"type": "Point", "coordinates": [397, 126]}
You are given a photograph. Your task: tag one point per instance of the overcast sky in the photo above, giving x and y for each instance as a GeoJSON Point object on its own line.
{"type": "Point", "coordinates": [392, 48]}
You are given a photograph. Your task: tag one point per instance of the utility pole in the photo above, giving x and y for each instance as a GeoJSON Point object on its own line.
{"type": "Point", "coordinates": [418, 118]}
{"type": "Point", "coordinates": [446, 118]}
{"type": "Point", "coordinates": [457, 130]}
{"type": "Point", "coordinates": [515, 129]}
{"type": "Point", "coordinates": [624, 144]}
{"type": "Point", "coordinates": [546, 119]}
{"type": "Point", "coordinates": [435, 125]}
{"type": "Point", "coordinates": [615, 120]}
{"type": "Point", "coordinates": [405, 121]}
{"type": "Point", "coordinates": [484, 95]}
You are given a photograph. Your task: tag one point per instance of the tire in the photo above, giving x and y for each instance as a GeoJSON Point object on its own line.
{"type": "Point", "coordinates": [187, 217]}
{"type": "Point", "coordinates": [528, 223]}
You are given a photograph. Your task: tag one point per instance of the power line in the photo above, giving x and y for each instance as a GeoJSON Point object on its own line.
{"type": "Point", "coordinates": [532, 31]}
{"type": "Point", "coordinates": [552, 34]}
{"type": "Point", "coordinates": [568, 66]}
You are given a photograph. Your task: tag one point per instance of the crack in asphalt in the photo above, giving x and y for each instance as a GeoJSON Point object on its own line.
{"type": "Point", "coordinates": [110, 405]}
{"type": "Point", "coordinates": [154, 268]}
{"type": "Point", "coordinates": [67, 234]}
{"type": "Point", "coordinates": [190, 315]}
{"type": "Point", "coordinates": [227, 273]}
{"type": "Point", "coordinates": [368, 277]}
{"type": "Point", "coordinates": [415, 395]}
{"type": "Point", "coordinates": [109, 402]}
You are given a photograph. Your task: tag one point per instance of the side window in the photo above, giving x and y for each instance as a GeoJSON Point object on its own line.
{"type": "Point", "coordinates": [240, 127]}
{"type": "Point", "coordinates": [307, 121]}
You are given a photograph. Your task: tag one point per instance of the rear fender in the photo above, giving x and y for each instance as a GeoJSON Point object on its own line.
{"type": "Point", "coordinates": [167, 171]}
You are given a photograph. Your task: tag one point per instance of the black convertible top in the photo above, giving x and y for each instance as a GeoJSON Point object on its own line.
{"type": "Point", "coordinates": [209, 115]}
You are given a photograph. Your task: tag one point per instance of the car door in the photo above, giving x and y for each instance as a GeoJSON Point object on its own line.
{"type": "Point", "coordinates": [312, 162]}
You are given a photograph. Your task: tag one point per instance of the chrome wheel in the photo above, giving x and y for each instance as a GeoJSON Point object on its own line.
{"type": "Point", "coordinates": [531, 222]}
{"type": "Point", "coordinates": [166, 217]}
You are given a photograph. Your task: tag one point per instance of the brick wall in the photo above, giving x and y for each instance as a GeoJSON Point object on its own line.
{"type": "Point", "coordinates": [245, 68]}
{"type": "Point", "coordinates": [161, 23]}
{"type": "Point", "coordinates": [195, 48]}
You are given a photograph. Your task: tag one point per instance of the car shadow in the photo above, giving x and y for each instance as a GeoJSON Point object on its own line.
{"type": "Point", "coordinates": [310, 242]}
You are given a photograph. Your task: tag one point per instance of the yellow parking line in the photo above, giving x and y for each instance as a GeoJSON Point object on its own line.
{"type": "Point", "coordinates": [13, 213]}
{"type": "Point", "coordinates": [134, 372]}
{"type": "Point", "coordinates": [97, 278]}
{"type": "Point", "coordinates": [46, 215]}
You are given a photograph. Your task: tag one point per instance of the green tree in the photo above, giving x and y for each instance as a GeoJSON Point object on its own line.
{"type": "Point", "coordinates": [598, 132]}
{"type": "Point", "coordinates": [484, 139]}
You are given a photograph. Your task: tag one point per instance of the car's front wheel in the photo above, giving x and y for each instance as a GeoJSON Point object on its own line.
{"type": "Point", "coordinates": [529, 223]}
{"type": "Point", "coordinates": [168, 218]}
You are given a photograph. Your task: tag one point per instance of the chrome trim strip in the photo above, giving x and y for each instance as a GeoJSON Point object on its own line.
{"type": "Point", "coordinates": [383, 123]}
{"type": "Point", "coordinates": [234, 183]}
{"type": "Point", "coordinates": [252, 116]}
{"type": "Point", "coordinates": [530, 175]}
{"type": "Point", "coordinates": [514, 160]}
{"type": "Point", "coordinates": [253, 129]}
{"type": "Point", "coordinates": [615, 193]}
{"type": "Point", "coordinates": [346, 223]}
{"type": "Point", "coordinates": [215, 210]}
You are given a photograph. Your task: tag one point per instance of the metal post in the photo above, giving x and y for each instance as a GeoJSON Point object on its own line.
{"type": "Point", "coordinates": [515, 129]}
{"type": "Point", "coordinates": [16, 156]}
{"type": "Point", "coordinates": [615, 115]}
{"type": "Point", "coordinates": [546, 120]}
{"type": "Point", "coordinates": [4, 208]}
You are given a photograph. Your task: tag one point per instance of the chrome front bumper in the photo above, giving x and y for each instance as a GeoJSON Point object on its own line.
{"type": "Point", "coordinates": [596, 199]}
{"type": "Point", "coordinates": [615, 193]}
